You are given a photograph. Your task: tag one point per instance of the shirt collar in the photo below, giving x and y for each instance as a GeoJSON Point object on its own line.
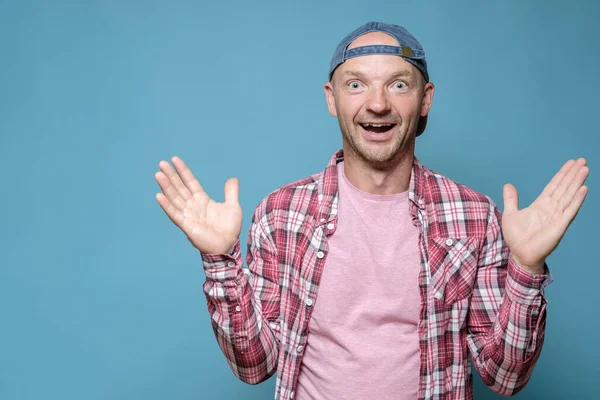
{"type": "Point", "coordinates": [328, 186]}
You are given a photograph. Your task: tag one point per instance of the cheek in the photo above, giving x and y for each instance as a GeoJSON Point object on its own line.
{"type": "Point", "coordinates": [408, 107]}
{"type": "Point", "coordinates": [348, 108]}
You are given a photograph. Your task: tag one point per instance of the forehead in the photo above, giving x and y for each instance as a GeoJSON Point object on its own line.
{"type": "Point", "coordinates": [377, 67]}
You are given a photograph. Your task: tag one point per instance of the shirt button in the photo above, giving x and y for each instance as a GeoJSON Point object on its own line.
{"type": "Point", "coordinates": [330, 226]}
{"type": "Point", "coordinates": [309, 302]}
{"type": "Point", "coordinates": [292, 395]}
{"type": "Point", "coordinates": [299, 349]}
{"type": "Point", "coordinates": [238, 308]}
{"type": "Point", "coordinates": [420, 201]}
{"type": "Point", "coordinates": [449, 242]}
{"type": "Point", "coordinates": [322, 219]}
{"type": "Point", "coordinates": [231, 264]}
{"type": "Point", "coordinates": [320, 254]}
{"type": "Point", "coordinates": [438, 295]}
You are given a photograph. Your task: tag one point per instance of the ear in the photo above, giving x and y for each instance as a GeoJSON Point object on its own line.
{"type": "Point", "coordinates": [330, 98]}
{"type": "Point", "coordinates": [427, 99]}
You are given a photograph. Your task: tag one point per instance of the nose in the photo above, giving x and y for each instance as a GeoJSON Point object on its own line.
{"type": "Point", "coordinates": [378, 102]}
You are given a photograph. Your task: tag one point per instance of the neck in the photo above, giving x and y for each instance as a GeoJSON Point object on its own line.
{"type": "Point", "coordinates": [389, 178]}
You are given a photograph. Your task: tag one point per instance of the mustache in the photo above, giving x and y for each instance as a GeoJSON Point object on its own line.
{"type": "Point", "coordinates": [378, 119]}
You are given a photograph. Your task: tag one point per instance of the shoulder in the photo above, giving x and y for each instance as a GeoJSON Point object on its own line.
{"type": "Point", "coordinates": [457, 209]}
{"type": "Point", "coordinates": [296, 196]}
{"type": "Point", "coordinates": [445, 189]}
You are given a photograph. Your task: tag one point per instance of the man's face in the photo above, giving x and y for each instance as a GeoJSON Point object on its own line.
{"type": "Point", "coordinates": [378, 100]}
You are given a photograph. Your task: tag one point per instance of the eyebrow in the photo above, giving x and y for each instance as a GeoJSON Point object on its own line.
{"type": "Point", "coordinates": [396, 74]}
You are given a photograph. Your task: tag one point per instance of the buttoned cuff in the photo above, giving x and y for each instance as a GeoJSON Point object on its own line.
{"type": "Point", "coordinates": [523, 286]}
{"type": "Point", "coordinates": [223, 267]}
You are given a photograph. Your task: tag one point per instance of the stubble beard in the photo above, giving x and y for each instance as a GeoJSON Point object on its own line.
{"type": "Point", "coordinates": [376, 156]}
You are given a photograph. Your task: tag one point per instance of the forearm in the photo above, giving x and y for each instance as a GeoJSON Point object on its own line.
{"type": "Point", "coordinates": [243, 333]}
{"type": "Point", "coordinates": [506, 350]}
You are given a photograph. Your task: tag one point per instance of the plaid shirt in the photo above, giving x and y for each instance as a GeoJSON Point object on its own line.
{"type": "Point", "coordinates": [474, 299]}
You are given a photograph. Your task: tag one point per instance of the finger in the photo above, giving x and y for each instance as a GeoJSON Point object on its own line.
{"type": "Point", "coordinates": [511, 198]}
{"type": "Point", "coordinates": [575, 185]}
{"type": "Point", "coordinates": [553, 184]}
{"type": "Point", "coordinates": [187, 176]}
{"type": "Point", "coordinates": [564, 184]}
{"type": "Point", "coordinates": [573, 208]}
{"type": "Point", "coordinates": [169, 191]}
{"type": "Point", "coordinates": [175, 180]}
{"type": "Point", "coordinates": [174, 215]}
{"type": "Point", "coordinates": [232, 192]}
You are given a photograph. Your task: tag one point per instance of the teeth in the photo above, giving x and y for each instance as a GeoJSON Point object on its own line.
{"type": "Point", "coordinates": [378, 125]}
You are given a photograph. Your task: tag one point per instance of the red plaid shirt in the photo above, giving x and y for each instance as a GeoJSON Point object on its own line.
{"type": "Point", "coordinates": [474, 300]}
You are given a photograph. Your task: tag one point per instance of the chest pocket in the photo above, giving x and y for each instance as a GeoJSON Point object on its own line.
{"type": "Point", "coordinates": [453, 267]}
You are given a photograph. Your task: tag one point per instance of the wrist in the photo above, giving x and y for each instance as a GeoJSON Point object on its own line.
{"type": "Point", "coordinates": [535, 269]}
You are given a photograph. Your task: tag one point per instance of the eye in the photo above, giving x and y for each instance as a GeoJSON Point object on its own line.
{"type": "Point", "coordinates": [353, 85]}
{"type": "Point", "coordinates": [400, 85]}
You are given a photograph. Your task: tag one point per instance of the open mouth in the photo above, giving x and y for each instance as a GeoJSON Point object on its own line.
{"type": "Point", "coordinates": [377, 128]}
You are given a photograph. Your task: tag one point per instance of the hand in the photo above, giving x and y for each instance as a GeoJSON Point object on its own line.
{"type": "Point", "coordinates": [213, 228]}
{"type": "Point", "coordinates": [534, 232]}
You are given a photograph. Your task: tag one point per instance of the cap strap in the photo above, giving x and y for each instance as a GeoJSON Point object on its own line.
{"type": "Point", "coordinates": [383, 49]}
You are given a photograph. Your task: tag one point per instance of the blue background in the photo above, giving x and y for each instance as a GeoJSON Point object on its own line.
{"type": "Point", "coordinates": [100, 295]}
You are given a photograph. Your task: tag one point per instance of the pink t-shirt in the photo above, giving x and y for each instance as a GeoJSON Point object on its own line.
{"type": "Point", "coordinates": [363, 341]}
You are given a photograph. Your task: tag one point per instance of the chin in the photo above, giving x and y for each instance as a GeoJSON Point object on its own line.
{"type": "Point", "coordinates": [379, 156]}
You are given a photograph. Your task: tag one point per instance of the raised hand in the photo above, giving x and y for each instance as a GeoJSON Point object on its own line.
{"type": "Point", "coordinates": [534, 232]}
{"type": "Point", "coordinates": [213, 228]}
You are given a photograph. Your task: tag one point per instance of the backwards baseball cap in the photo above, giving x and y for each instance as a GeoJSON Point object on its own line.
{"type": "Point", "coordinates": [409, 48]}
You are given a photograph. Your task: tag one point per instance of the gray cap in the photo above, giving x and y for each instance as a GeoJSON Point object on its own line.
{"type": "Point", "coordinates": [409, 49]}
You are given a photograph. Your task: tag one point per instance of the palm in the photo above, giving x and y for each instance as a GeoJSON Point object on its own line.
{"type": "Point", "coordinates": [534, 232]}
{"type": "Point", "coordinates": [210, 226]}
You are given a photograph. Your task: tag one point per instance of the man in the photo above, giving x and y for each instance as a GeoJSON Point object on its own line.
{"type": "Point", "coordinates": [377, 277]}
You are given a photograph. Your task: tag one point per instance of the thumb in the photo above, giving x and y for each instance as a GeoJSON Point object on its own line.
{"type": "Point", "coordinates": [511, 198]}
{"type": "Point", "coordinates": [232, 191]}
